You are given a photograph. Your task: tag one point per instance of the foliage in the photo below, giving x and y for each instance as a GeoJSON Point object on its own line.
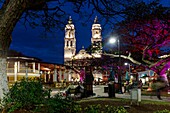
{"type": "Point", "coordinates": [27, 94]}
{"type": "Point", "coordinates": [144, 32]}
{"type": "Point", "coordinates": [30, 95]}
{"type": "Point", "coordinates": [119, 109]}
{"type": "Point", "coordinates": [93, 108]}
{"type": "Point", "coordinates": [145, 28]}
{"type": "Point", "coordinates": [57, 104]}
{"type": "Point", "coordinates": [163, 111]}
{"type": "Point", "coordinates": [168, 73]}
{"type": "Point", "coordinates": [106, 108]}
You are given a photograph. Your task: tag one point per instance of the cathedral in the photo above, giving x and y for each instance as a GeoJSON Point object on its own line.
{"type": "Point", "coordinates": [70, 42]}
{"type": "Point", "coordinates": [82, 56]}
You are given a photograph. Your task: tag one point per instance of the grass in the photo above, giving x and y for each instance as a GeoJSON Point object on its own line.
{"type": "Point", "coordinates": [145, 106]}
{"type": "Point", "coordinates": [126, 100]}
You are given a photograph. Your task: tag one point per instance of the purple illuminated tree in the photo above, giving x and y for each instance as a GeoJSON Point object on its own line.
{"type": "Point", "coordinates": [146, 34]}
{"type": "Point", "coordinates": [143, 29]}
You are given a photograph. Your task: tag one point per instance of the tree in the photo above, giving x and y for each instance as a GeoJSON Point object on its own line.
{"type": "Point", "coordinates": [10, 13]}
{"type": "Point", "coordinates": [145, 31]}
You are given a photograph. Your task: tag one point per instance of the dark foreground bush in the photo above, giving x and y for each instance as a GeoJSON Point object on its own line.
{"type": "Point", "coordinates": [163, 111]}
{"type": "Point", "coordinates": [29, 95]}
{"type": "Point", "coordinates": [58, 104]}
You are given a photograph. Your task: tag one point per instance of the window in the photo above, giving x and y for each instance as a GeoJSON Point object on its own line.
{"type": "Point", "coordinates": [67, 43]}
{"type": "Point", "coordinates": [71, 43]}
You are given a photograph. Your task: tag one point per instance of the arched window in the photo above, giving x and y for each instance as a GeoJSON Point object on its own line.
{"type": "Point", "coordinates": [71, 43]}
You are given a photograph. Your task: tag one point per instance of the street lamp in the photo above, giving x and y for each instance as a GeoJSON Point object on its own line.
{"type": "Point", "coordinates": [113, 40]}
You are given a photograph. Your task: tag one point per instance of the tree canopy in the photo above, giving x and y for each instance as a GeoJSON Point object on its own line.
{"type": "Point", "coordinates": [146, 27]}
{"type": "Point", "coordinates": [143, 29]}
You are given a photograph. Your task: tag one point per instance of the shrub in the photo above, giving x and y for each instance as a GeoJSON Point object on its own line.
{"type": "Point", "coordinates": [105, 109]}
{"type": "Point", "coordinates": [162, 111]}
{"type": "Point", "coordinates": [111, 109]}
{"type": "Point", "coordinates": [58, 104]}
{"type": "Point", "coordinates": [27, 94]}
{"type": "Point", "coordinates": [93, 109]}
{"type": "Point", "coordinates": [30, 95]}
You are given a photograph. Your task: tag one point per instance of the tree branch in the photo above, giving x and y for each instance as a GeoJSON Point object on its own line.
{"type": "Point", "coordinates": [125, 57]}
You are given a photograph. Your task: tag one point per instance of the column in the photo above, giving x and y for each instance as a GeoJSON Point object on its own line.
{"type": "Point", "coordinates": [15, 71]}
{"type": "Point", "coordinates": [69, 44]}
{"type": "Point", "coordinates": [18, 66]}
{"type": "Point", "coordinates": [26, 69]}
{"type": "Point", "coordinates": [65, 74]}
{"type": "Point", "coordinates": [39, 67]}
{"type": "Point", "coordinates": [49, 75]}
{"type": "Point", "coordinates": [60, 73]}
{"type": "Point", "coordinates": [33, 66]}
{"type": "Point", "coordinates": [65, 43]}
{"type": "Point", "coordinates": [40, 73]}
{"type": "Point", "coordinates": [55, 74]}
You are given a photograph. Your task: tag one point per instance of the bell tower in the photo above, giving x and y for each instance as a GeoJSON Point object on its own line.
{"type": "Point", "coordinates": [96, 39]}
{"type": "Point", "coordinates": [70, 41]}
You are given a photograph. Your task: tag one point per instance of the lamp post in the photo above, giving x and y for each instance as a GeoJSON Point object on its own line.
{"type": "Point", "coordinates": [113, 40]}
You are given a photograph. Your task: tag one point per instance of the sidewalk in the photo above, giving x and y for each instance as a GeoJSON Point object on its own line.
{"type": "Point", "coordinates": [128, 96]}
{"type": "Point", "coordinates": [99, 92]}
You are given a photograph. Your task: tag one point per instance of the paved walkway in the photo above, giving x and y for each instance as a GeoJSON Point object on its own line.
{"type": "Point", "coordinates": [99, 92]}
{"type": "Point", "coordinates": [128, 96]}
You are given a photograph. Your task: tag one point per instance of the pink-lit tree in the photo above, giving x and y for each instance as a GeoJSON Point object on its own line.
{"type": "Point", "coordinates": [146, 34]}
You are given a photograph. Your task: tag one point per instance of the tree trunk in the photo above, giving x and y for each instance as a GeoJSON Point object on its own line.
{"type": "Point", "coordinates": [3, 75]}
{"type": "Point", "coordinates": [10, 13]}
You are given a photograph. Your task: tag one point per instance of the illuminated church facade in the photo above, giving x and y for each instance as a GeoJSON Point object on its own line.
{"type": "Point", "coordinates": [82, 56]}
{"type": "Point", "coordinates": [70, 42]}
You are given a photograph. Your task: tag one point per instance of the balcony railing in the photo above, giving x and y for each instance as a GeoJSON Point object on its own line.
{"type": "Point", "coordinates": [11, 70]}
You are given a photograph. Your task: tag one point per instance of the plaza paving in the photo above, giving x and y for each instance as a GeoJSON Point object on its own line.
{"type": "Point", "coordinates": [99, 92]}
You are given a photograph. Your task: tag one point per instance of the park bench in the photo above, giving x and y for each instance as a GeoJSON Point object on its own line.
{"type": "Point", "coordinates": [74, 93]}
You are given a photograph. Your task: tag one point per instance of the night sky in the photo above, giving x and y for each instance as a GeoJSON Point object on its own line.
{"type": "Point", "coordinates": [51, 49]}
